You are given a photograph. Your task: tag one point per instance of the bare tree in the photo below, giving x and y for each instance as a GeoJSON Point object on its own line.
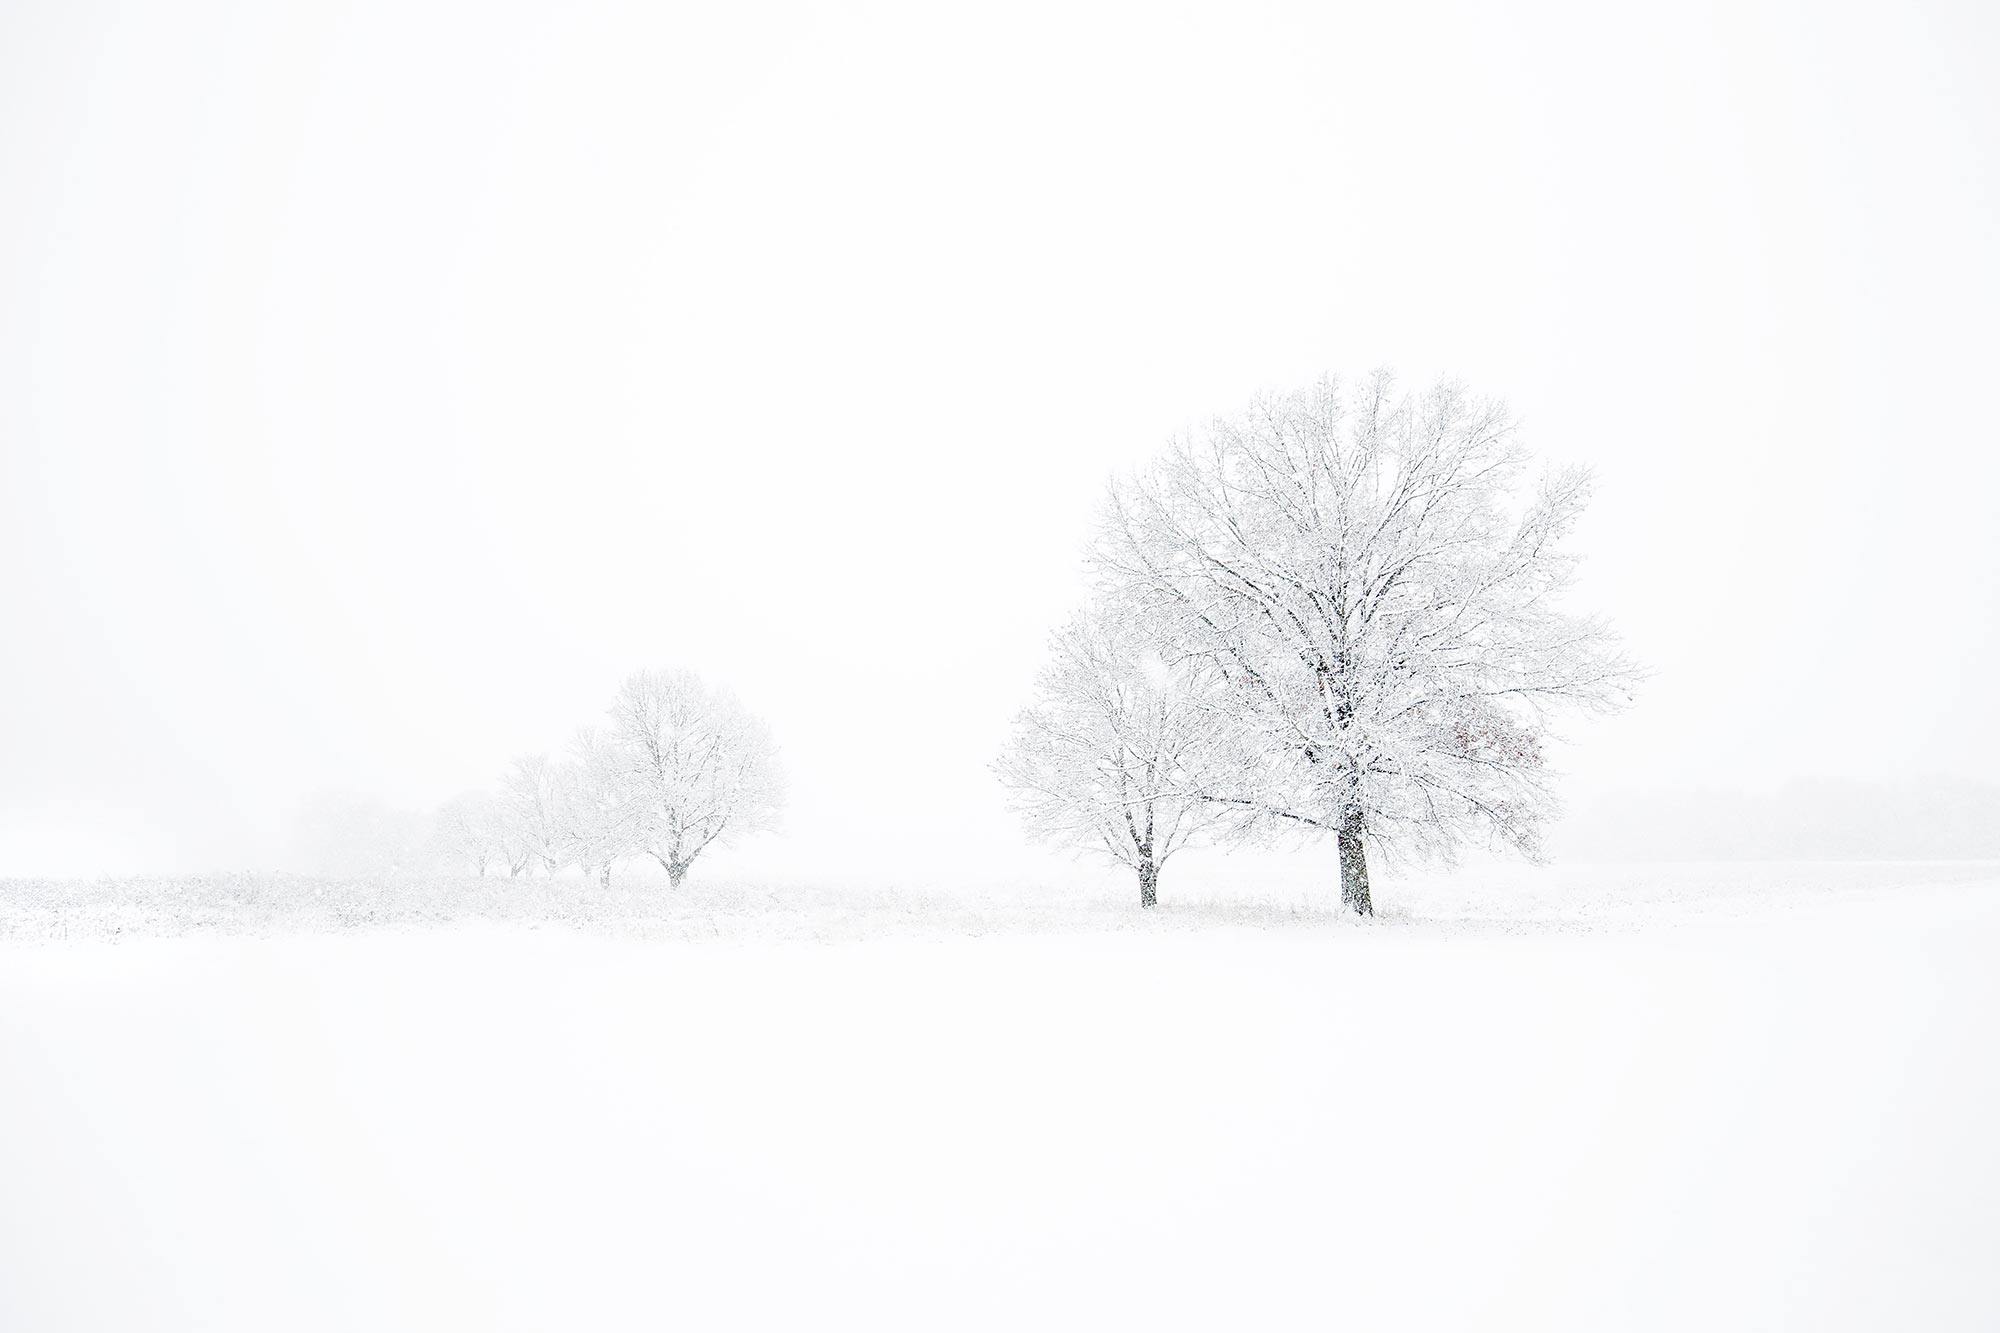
{"type": "Point", "coordinates": [702, 769]}
{"type": "Point", "coordinates": [1370, 573]}
{"type": "Point", "coordinates": [531, 796]}
{"type": "Point", "coordinates": [468, 831]}
{"type": "Point", "coordinates": [515, 853]}
{"type": "Point", "coordinates": [1118, 747]}
{"type": "Point", "coordinates": [598, 809]}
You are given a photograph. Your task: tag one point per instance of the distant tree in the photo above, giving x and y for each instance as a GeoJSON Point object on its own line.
{"type": "Point", "coordinates": [1372, 577]}
{"type": "Point", "coordinates": [701, 769]}
{"type": "Point", "coordinates": [515, 852]}
{"type": "Point", "coordinates": [531, 807]}
{"type": "Point", "coordinates": [600, 806]}
{"type": "Point", "coordinates": [468, 832]}
{"type": "Point", "coordinates": [1119, 746]}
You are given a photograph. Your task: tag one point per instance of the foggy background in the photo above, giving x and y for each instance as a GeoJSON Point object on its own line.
{"type": "Point", "coordinates": [380, 384]}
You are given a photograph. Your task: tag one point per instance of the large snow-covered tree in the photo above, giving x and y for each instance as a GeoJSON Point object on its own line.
{"type": "Point", "coordinates": [1376, 576]}
{"type": "Point", "coordinates": [1118, 746]}
{"type": "Point", "coordinates": [702, 769]}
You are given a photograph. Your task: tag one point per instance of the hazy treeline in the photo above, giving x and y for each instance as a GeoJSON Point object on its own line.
{"type": "Point", "coordinates": [677, 767]}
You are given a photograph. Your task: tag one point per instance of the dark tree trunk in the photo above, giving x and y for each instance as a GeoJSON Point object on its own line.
{"type": "Point", "coordinates": [676, 872]}
{"type": "Point", "coordinates": [604, 876]}
{"type": "Point", "coordinates": [1149, 884]}
{"type": "Point", "coordinates": [1354, 865]}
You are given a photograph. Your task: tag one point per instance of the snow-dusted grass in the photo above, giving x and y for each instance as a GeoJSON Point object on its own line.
{"type": "Point", "coordinates": [1282, 892]}
{"type": "Point", "coordinates": [639, 908]}
{"type": "Point", "coordinates": [1762, 1099]}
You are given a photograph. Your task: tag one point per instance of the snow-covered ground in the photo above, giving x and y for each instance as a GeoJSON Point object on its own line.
{"type": "Point", "coordinates": [1749, 1097]}
{"type": "Point", "coordinates": [1202, 889]}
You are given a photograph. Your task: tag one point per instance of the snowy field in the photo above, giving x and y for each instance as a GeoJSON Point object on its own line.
{"type": "Point", "coordinates": [1202, 890]}
{"type": "Point", "coordinates": [1747, 1097]}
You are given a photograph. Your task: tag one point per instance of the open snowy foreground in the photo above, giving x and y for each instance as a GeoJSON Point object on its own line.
{"type": "Point", "coordinates": [1705, 1105]}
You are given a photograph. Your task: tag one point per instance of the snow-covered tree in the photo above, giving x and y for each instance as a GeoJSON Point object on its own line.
{"type": "Point", "coordinates": [702, 769]}
{"type": "Point", "coordinates": [1375, 577]}
{"type": "Point", "coordinates": [468, 832]}
{"type": "Point", "coordinates": [531, 804]}
{"type": "Point", "coordinates": [516, 852]}
{"type": "Point", "coordinates": [598, 809]}
{"type": "Point", "coordinates": [1116, 751]}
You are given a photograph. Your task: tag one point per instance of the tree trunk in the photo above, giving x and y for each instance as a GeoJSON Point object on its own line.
{"type": "Point", "coordinates": [676, 872]}
{"type": "Point", "coordinates": [604, 876]}
{"type": "Point", "coordinates": [1149, 884]}
{"type": "Point", "coordinates": [1354, 865]}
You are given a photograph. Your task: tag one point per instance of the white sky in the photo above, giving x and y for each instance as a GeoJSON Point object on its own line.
{"type": "Point", "coordinates": [380, 383]}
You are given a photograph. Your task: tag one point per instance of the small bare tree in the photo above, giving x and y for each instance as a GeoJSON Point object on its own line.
{"type": "Point", "coordinates": [598, 809]}
{"type": "Point", "coordinates": [1369, 572]}
{"type": "Point", "coordinates": [531, 805]}
{"type": "Point", "coordinates": [515, 853]}
{"type": "Point", "coordinates": [468, 831]}
{"type": "Point", "coordinates": [1116, 751]}
{"type": "Point", "coordinates": [701, 768]}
